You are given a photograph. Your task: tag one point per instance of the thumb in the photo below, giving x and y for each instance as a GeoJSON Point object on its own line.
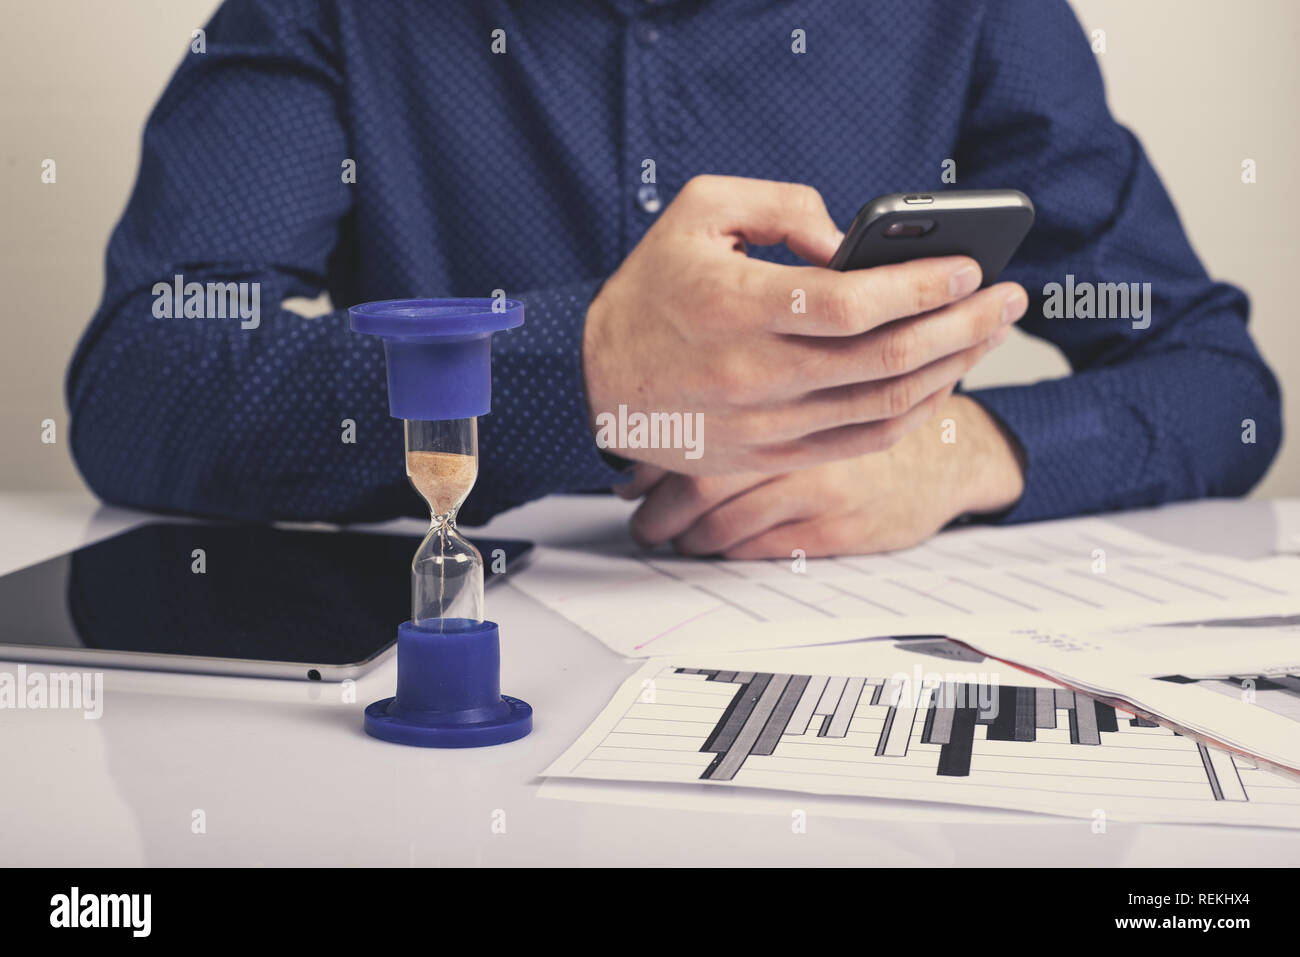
{"type": "Point", "coordinates": [764, 212]}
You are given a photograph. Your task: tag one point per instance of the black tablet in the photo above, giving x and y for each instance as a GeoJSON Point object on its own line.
{"type": "Point", "coordinates": [224, 599]}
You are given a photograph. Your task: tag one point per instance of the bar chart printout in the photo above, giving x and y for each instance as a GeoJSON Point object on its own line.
{"type": "Point", "coordinates": [1025, 746]}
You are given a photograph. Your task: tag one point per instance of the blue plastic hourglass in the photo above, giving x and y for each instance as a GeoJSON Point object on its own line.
{"type": "Point", "coordinates": [439, 356]}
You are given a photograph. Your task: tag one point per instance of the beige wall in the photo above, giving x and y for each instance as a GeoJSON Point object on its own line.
{"type": "Point", "coordinates": [1204, 83]}
{"type": "Point", "coordinates": [77, 79]}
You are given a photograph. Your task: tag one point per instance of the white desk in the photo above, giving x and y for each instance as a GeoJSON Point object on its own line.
{"type": "Point", "coordinates": [285, 775]}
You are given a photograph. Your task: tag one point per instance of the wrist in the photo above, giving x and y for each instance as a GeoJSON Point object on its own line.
{"type": "Point", "coordinates": [593, 357]}
{"type": "Point", "coordinates": [989, 470]}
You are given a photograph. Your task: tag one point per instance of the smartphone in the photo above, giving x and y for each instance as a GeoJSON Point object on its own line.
{"type": "Point", "coordinates": [987, 225]}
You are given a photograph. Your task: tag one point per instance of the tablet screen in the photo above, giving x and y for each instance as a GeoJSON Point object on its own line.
{"type": "Point", "coordinates": [248, 592]}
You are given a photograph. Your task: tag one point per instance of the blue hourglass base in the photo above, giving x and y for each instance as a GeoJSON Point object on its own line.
{"type": "Point", "coordinates": [448, 690]}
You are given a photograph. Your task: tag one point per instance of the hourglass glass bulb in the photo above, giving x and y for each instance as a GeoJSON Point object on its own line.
{"type": "Point", "coordinates": [447, 572]}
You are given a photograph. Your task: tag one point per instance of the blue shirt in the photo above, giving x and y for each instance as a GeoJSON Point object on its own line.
{"type": "Point", "coordinates": [522, 170]}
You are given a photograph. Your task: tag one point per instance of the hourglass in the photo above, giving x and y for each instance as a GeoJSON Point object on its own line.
{"type": "Point", "coordinates": [439, 358]}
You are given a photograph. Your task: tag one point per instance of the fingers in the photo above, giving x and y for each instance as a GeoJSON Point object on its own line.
{"type": "Point", "coordinates": [744, 516]}
{"type": "Point", "coordinates": [851, 303]}
{"type": "Point", "coordinates": [674, 504]}
{"type": "Point", "coordinates": [818, 536]}
{"type": "Point", "coordinates": [791, 367]}
{"type": "Point", "coordinates": [900, 347]}
{"type": "Point", "coordinates": [858, 402]}
{"type": "Point", "coordinates": [847, 441]}
{"type": "Point", "coordinates": [705, 516]}
{"type": "Point", "coordinates": [644, 478]}
{"type": "Point", "coordinates": [762, 212]}
{"type": "Point", "coordinates": [812, 537]}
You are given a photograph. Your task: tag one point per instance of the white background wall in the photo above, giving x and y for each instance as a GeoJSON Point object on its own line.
{"type": "Point", "coordinates": [1204, 83]}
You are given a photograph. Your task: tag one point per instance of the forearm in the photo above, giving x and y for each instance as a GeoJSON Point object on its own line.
{"type": "Point", "coordinates": [1200, 416]}
{"type": "Point", "coordinates": [1172, 403]}
{"type": "Point", "coordinates": [538, 439]}
{"type": "Point", "coordinates": [214, 415]}
{"type": "Point", "coordinates": [287, 421]}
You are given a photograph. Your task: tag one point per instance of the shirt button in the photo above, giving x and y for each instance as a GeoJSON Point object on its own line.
{"type": "Point", "coordinates": [646, 34]}
{"type": "Point", "coordinates": [647, 197]}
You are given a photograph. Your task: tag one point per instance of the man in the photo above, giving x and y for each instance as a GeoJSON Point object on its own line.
{"type": "Point", "coordinates": [557, 152]}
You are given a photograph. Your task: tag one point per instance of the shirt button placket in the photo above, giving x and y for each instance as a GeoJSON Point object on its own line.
{"type": "Point", "coordinates": [649, 202]}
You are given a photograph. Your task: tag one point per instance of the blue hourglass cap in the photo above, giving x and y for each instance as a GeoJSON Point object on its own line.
{"type": "Point", "coordinates": [449, 690]}
{"type": "Point", "coordinates": [438, 352]}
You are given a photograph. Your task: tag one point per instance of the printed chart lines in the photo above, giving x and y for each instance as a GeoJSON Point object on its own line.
{"type": "Point", "coordinates": [645, 603]}
{"type": "Point", "coordinates": [965, 586]}
{"type": "Point", "coordinates": [882, 721]}
{"type": "Point", "coordinates": [773, 725]}
{"type": "Point", "coordinates": [1278, 693]}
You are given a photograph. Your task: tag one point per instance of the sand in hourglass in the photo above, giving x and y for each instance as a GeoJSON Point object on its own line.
{"type": "Point", "coordinates": [442, 478]}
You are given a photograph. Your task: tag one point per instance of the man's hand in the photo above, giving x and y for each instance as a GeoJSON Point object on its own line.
{"type": "Point", "coordinates": [872, 503]}
{"type": "Point", "coordinates": [691, 324]}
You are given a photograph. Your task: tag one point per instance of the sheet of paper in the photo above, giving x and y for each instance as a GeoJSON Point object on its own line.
{"type": "Point", "coordinates": [1234, 681]}
{"type": "Point", "coordinates": [889, 720]}
{"type": "Point", "coordinates": [769, 803]}
{"type": "Point", "coordinates": [1286, 520]}
{"type": "Point", "coordinates": [1080, 570]}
